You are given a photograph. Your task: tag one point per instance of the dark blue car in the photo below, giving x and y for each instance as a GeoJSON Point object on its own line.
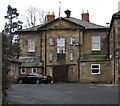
{"type": "Point", "coordinates": [35, 78]}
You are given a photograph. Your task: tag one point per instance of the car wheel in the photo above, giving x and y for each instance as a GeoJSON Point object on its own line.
{"type": "Point", "coordinates": [20, 81]}
{"type": "Point", "coordinates": [37, 81]}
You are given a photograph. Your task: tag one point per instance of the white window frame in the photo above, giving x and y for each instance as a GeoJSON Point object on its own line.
{"type": "Point", "coordinates": [51, 72]}
{"type": "Point", "coordinates": [71, 40]}
{"type": "Point", "coordinates": [31, 45]}
{"type": "Point", "coordinates": [33, 69]}
{"type": "Point", "coordinates": [95, 68]}
{"type": "Point", "coordinates": [22, 71]}
{"type": "Point", "coordinates": [71, 72]}
{"type": "Point", "coordinates": [51, 41]}
{"type": "Point", "coordinates": [71, 54]}
{"type": "Point", "coordinates": [96, 43]}
{"type": "Point", "coordinates": [51, 56]}
{"type": "Point", "coordinates": [61, 45]}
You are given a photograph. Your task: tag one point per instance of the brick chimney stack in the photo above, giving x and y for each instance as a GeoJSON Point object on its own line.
{"type": "Point", "coordinates": [50, 17]}
{"type": "Point", "coordinates": [85, 16]}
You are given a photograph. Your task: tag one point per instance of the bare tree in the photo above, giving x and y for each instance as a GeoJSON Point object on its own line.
{"type": "Point", "coordinates": [42, 15]}
{"type": "Point", "coordinates": [33, 17]}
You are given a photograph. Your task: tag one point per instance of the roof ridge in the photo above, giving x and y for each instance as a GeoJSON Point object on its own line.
{"type": "Point", "coordinates": [86, 24]}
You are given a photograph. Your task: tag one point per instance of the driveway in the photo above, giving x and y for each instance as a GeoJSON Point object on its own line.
{"type": "Point", "coordinates": [70, 93]}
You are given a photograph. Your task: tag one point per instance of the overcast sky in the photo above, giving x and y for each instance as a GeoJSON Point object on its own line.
{"type": "Point", "coordinates": [100, 11]}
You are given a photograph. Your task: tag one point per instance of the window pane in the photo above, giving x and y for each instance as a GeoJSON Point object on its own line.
{"type": "Point", "coordinates": [71, 54]}
{"type": "Point", "coordinates": [71, 72]}
{"type": "Point", "coordinates": [23, 71]}
{"type": "Point", "coordinates": [34, 70]}
{"type": "Point", "coordinates": [96, 39]}
{"type": "Point", "coordinates": [60, 56]}
{"type": "Point", "coordinates": [95, 46]}
{"type": "Point", "coordinates": [63, 42]}
{"type": "Point", "coordinates": [96, 42]}
{"type": "Point", "coordinates": [63, 49]}
{"type": "Point", "coordinates": [60, 45]}
{"type": "Point", "coordinates": [50, 41]}
{"type": "Point", "coordinates": [50, 55]}
{"type": "Point", "coordinates": [95, 71]}
{"type": "Point", "coordinates": [31, 45]}
{"type": "Point", "coordinates": [95, 66]}
{"type": "Point", "coordinates": [71, 40]}
{"type": "Point", "coordinates": [58, 49]}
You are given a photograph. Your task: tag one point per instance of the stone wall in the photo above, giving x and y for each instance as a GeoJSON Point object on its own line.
{"type": "Point", "coordinates": [105, 75]}
{"type": "Point", "coordinates": [24, 44]}
{"type": "Point", "coordinates": [87, 42]}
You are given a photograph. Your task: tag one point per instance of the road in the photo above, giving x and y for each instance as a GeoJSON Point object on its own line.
{"type": "Point", "coordinates": [70, 93]}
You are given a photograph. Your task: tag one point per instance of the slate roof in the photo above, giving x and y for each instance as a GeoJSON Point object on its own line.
{"type": "Point", "coordinates": [33, 28]}
{"type": "Point", "coordinates": [30, 62]}
{"type": "Point", "coordinates": [83, 23]}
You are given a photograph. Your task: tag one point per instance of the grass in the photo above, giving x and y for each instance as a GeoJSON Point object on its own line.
{"type": "Point", "coordinates": [94, 59]}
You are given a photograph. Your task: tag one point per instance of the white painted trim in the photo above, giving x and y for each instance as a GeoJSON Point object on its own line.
{"type": "Point", "coordinates": [23, 72]}
{"type": "Point", "coordinates": [99, 43]}
{"type": "Point", "coordinates": [34, 68]}
{"type": "Point", "coordinates": [95, 68]}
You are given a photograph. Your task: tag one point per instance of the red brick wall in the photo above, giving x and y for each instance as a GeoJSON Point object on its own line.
{"type": "Point", "coordinates": [39, 70]}
{"type": "Point", "coordinates": [50, 18]}
{"type": "Point", "coordinates": [85, 16]}
{"type": "Point", "coordinates": [29, 70]}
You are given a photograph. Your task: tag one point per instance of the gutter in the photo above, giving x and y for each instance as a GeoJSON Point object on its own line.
{"type": "Point", "coordinates": [79, 58]}
{"type": "Point", "coordinates": [45, 51]}
{"type": "Point", "coordinates": [95, 61]}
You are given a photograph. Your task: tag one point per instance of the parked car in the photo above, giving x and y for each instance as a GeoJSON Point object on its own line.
{"type": "Point", "coordinates": [35, 78]}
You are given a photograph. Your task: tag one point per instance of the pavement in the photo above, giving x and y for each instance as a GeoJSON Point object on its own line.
{"type": "Point", "coordinates": [107, 85]}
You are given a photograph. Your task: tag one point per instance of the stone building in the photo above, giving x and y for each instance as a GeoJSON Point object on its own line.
{"type": "Point", "coordinates": [14, 72]}
{"type": "Point", "coordinates": [114, 48]}
{"type": "Point", "coordinates": [68, 49]}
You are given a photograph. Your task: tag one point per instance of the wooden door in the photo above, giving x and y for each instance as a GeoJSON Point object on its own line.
{"type": "Point", "coordinates": [60, 74]}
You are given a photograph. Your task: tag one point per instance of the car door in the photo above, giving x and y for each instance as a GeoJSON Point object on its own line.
{"type": "Point", "coordinates": [25, 79]}
{"type": "Point", "coordinates": [30, 79]}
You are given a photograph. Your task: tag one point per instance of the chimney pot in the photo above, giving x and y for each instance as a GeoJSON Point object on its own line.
{"type": "Point", "coordinates": [68, 12]}
{"type": "Point", "coordinates": [52, 13]}
{"type": "Point", "coordinates": [82, 11]}
{"type": "Point", "coordinates": [48, 13]}
{"type": "Point", "coordinates": [87, 11]}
